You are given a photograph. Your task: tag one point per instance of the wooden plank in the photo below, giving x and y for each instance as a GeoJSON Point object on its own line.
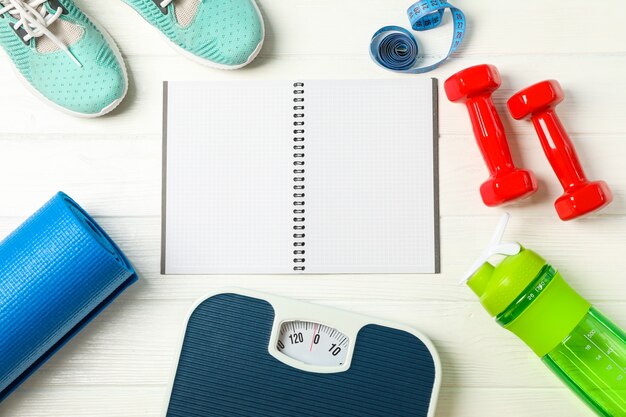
{"type": "Point", "coordinates": [589, 254]}
{"type": "Point", "coordinates": [328, 27]}
{"type": "Point", "coordinates": [148, 401]}
{"type": "Point", "coordinates": [135, 342]}
{"type": "Point", "coordinates": [592, 106]}
{"type": "Point", "coordinates": [120, 175]}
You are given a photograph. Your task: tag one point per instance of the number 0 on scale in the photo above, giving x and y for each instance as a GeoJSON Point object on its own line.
{"type": "Point", "coordinates": [313, 343]}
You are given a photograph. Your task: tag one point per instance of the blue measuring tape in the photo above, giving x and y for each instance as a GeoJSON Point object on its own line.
{"type": "Point", "coordinates": [396, 49]}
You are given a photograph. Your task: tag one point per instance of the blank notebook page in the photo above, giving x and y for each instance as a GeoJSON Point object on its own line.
{"type": "Point", "coordinates": [311, 177]}
{"type": "Point", "coordinates": [370, 185]}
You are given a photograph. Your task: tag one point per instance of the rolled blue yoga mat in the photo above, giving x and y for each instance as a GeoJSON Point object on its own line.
{"type": "Point", "coordinates": [58, 270]}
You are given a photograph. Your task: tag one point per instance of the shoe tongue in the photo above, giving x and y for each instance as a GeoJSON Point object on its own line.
{"type": "Point", "coordinates": [185, 11]}
{"type": "Point", "coordinates": [67, 32]}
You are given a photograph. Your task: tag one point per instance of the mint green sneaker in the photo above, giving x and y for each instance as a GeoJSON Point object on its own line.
{"type": "Point", "coordinates": [62, 56]}
{"type": "Point", "coordinates": [225, 34]}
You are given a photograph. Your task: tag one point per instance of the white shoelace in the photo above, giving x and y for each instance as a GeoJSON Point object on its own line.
{"type": "Point", "coordinates": [35, 22]}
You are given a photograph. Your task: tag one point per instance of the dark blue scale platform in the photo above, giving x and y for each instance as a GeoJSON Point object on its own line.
{"type": "Point", "coordinates": [225, 370]}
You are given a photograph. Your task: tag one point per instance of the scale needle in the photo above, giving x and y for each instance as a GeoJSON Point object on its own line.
{"type": "Point", "coordinates": [313, 338]}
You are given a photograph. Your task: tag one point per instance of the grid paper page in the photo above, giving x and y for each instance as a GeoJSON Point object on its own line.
{"type": "Point", "coordinates": [368, 188]}
{"type": "Point", "coordinates": [370, 182]}
{"type": "Point", "coordinates": [228, 176]}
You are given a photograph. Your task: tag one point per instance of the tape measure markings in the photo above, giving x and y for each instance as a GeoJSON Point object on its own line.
{"type": "Point", "coordinates": [396, 49]}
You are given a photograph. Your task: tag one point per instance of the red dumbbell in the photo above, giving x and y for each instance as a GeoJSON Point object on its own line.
{"type": "Point", "coordinates": [581, 196]}
{"type": "Point", "coordinates": [506, 182]}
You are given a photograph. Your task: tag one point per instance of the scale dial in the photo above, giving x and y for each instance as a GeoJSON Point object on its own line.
{"type": "Point", "coordinates": [313, 343]}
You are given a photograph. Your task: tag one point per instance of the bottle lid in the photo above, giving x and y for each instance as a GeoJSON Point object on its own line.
{"type": "Point", "coordinates": [526, 295]}
{"type": "Point", "coordinates": [498, 287]}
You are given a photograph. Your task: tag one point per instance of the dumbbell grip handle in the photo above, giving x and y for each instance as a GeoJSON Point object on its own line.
{"type": "Point", "coordinates": [559, 149]}
{"type": "Point", "coordinates": [490, 135]}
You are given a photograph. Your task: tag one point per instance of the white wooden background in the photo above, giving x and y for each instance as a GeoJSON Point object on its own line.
{"type": "Point", "coordinates": [120, 364]}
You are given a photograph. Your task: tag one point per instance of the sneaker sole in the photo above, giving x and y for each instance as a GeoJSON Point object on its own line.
{"type": "Point", "coordinates": [107, 109]}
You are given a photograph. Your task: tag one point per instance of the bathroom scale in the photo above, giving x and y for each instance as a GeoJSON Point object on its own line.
{"type": "Point", "coordinates": [246, 353]}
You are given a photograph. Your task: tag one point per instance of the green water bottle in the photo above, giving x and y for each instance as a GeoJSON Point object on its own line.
{"type": "Point", "coordinates": [530, 298]}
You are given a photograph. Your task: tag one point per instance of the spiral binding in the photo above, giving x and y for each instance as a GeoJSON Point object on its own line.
{"type": "Point", "coordinates": [298, 179]}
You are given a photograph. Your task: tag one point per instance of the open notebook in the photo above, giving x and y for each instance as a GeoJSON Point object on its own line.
{"type": "Point", "coordinates": [300, 177]}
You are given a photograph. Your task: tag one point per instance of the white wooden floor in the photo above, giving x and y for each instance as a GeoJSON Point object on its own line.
{"type": "Point", "coordinates": [120, 364]}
